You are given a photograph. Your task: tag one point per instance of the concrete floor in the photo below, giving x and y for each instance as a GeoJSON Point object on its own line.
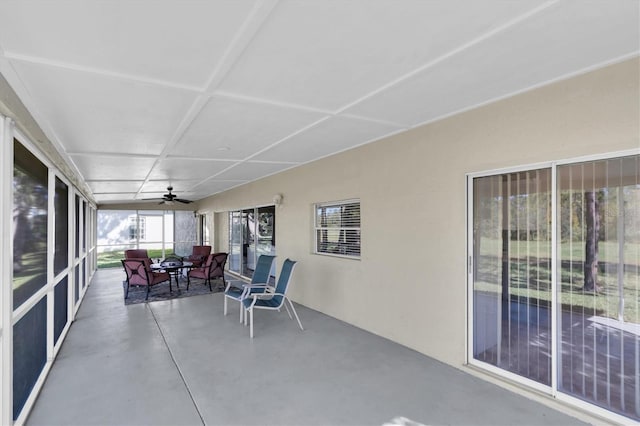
{"type": "Point", "coordinates": [181, 362]}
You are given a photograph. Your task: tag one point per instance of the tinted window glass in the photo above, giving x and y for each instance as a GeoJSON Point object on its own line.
{"type": "Point", "coordinates": [29, 228]}
{"type": "Point", "coordinates": [60, 308]}
{"type": "Point", "coordinates": [29, 353]}
{"type": "Point", "coordinates": [61, 256]}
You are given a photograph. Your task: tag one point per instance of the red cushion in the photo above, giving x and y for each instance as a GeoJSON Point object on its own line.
{"type": "Point", "coordinates": [136, 254]}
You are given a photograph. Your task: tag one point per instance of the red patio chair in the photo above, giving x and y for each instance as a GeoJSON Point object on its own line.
{"type": "Point", "coordinates": [213, 268]}
{"type": "Point", "coordinates": [136, 254]}
{"type": "Point", "coordinates": [139, 273]}
{"type": "Point", "coordinates": [199, 255]}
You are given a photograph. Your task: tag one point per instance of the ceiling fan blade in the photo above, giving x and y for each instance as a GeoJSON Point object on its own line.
{"type": "Point", "coordinates": [180, 200]}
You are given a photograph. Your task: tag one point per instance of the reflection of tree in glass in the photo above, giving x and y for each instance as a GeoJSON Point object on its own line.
{"type": "Point", "coordinates": [265, 225]}
{"type": "Point", "coordinates": [592, 220]}
{"type": "Point", "coordinates": [29, 217]}
{"type": "Point", "coordinates": [29, 231]}
{"type": "Point", "coordinates": [184, 232]}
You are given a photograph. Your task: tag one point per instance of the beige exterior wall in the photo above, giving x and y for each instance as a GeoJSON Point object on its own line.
{"type": "Point", "coordinates": [410, 285]}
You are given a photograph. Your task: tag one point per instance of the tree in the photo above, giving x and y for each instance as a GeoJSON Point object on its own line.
{"type": "Point", "coordinates": [592, 219]}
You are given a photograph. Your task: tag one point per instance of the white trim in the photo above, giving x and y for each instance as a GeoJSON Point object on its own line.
{"type": "Point", "coordinates": [509, 376]}
{"type": "Point", "coordinates": [35, 391]}
{"type": "Point", "coordinates": [555, 223]}
{"type": "Point", "coordinates": [596, 157]}
{"type": "Point", "coordinates": [512, 169]}
{"type": "Point", "coordinates": [71, 252]}
{"type": "Point", "coordinates": [35, 150]}
{"type": "Point", "coordinates": [26, 306]}
{"type": "Point", "coordinates": [530, 88]}
{"type": "Point", "coordinates": [6, 270]}
{"type": "Point", "coordinates": [494, 31]}
{"type": "Point", "coordinates": [335, 202]}
{"type": "Point", "coordinates": [595, 410]}
{"type": "Point", "coordinates": [547, 164]}
{"type": "Point", "coordinates": [63, 335]}
{"type": "Point", "coordinates": [100, 72]}
{"type": "Point", "coordinates": [51, 234]}
{"type": "Point", "coordinates": [32, 148]}
{"type": "Point", "coordinates": [469, 335]}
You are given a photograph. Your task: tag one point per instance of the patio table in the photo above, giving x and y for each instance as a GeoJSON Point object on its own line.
{"type": "Point", "coordinates": [174, 268]}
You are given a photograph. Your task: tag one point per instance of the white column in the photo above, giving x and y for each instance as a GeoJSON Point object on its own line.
{"type": "Point", "coordinates": [71, 305]}
{"type": "Point", "coordinates": [6, 270]}
{"type": "Point", "coordinates": [51, 236]}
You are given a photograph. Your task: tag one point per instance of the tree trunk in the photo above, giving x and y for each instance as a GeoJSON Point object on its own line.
{"type": "Point", "coordinates": [505, 248]}
{"type": "Point", "coordinates": [592, 219]}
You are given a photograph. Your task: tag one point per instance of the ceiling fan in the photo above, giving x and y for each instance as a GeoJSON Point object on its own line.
{"type": "Point", "coordinates": [170, 198]}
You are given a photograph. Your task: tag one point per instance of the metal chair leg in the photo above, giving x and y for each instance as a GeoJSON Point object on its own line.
{"type": "Point", "coordinates": [251, 323]}
{"type": "Point", "coordinates": [295, 313]}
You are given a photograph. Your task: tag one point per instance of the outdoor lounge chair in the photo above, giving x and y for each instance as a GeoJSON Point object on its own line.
{"type": "Point", "coordinates": [213, 268]}
{"type": "Point", "coordinates": [237, 290]}
{"type": "Point", "coordinates": [272, 299]}
{"type": "Point", "coordinates": [139, 273]}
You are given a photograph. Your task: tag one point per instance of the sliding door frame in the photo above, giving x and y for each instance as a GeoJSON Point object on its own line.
{"type": "Point", "coordinates": [242, 211]}
{"type": "Point", "coordinates": [551, 391]}
{"type": "Point", "coordinates": [470, 288]}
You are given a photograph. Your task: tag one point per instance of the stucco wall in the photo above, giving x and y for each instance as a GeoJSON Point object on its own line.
{"type": "Point", "coordinates": [410, 285]}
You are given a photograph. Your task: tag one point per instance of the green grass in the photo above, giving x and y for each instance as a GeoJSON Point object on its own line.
{"type": "Point", "coordinates": [111, 259]}
{"type": "Point", "coordinates": [530, 276]}
{"type": "Point", "coordinates": [607, 250]}
{"type": "Point", "coordinates": [33, 264]}
{"type": "Point", "coordinates": [532, 281]}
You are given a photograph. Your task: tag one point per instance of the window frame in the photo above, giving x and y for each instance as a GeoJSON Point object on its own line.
{"type": "Point", "coordinates": [317, 228]}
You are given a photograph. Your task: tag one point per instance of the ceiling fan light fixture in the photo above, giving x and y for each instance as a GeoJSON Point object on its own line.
{"type": "Point", "coordinates": [170, 198]}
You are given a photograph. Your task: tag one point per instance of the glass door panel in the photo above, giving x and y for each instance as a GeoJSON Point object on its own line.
{"type": "Point", "coordinates": [185, 228]}
{"type": "Point", "coordinates": [251, 234]}
{"type": "Point", "coordinates": [512, 272]}
{"type": "Point", "coordinates": [599, 283]}
{"type": "Point", "coordinates": [248, 242]}
{"type": "Point", "coordinates": [235, 241]}
{"type": "Point", "coordinates": [266, 233]}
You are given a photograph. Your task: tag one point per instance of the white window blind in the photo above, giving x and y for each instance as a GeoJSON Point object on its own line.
{"type": "Point", "coordinates": [337, 228]}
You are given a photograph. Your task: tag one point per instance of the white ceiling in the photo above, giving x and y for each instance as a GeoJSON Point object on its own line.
{"type": "Point", "coordinates": [207, 95]}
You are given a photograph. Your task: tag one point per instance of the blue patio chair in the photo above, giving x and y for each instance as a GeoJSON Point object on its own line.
{"type": "Point", "coordinates": [237, 290]}
{"type": "Point", "coordinates": [272, 298]}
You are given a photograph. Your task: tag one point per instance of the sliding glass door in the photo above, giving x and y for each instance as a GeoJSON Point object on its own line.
{"type": "Point", "coordinates": [512, 275]}
{"type": "Point", "coordinates": [251, 234]}
{"type": "Point", "coordinates": [555, 279]}
{"type": "Point", "coordinates": [248, 242]}
{"type": "Point", "coordinates": [599, 283]}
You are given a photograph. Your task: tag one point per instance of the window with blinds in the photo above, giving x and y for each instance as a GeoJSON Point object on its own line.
{"type": "Point", "coordinates": [337, 228]}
